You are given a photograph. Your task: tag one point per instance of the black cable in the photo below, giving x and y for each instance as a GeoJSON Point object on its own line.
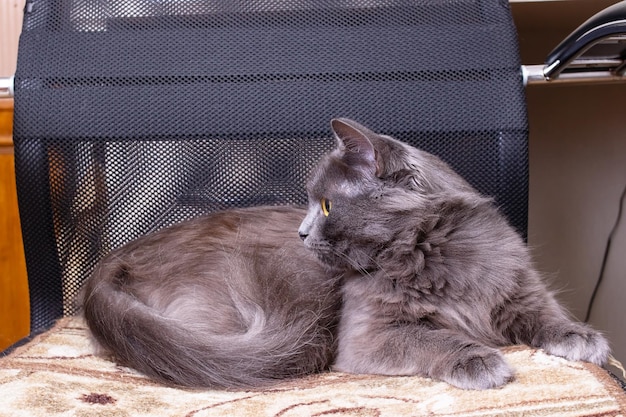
{"type": "Point", "coordinates": [606, 255]}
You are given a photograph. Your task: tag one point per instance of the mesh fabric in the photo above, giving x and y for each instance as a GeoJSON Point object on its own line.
{"type": "Point", "coordinates": [134, 115]}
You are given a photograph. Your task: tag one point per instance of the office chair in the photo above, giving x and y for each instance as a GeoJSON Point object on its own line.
{"type": "Point", "coordinates": [132, 116]}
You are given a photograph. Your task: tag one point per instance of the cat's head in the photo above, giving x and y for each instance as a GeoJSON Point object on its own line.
{"type": "Point", "coordinates": [372, 196]}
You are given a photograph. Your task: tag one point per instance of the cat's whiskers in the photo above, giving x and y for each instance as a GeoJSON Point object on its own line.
{"type": "Point", "coordinates": [362, 270]}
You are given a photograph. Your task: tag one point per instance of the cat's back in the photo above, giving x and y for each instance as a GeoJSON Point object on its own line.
{"type": "Point", "coordinates": [249, 251]}
{"type": "Point", "coordinates": [229, 228]}
{"type": "Point", "coordinates": [206, 239]}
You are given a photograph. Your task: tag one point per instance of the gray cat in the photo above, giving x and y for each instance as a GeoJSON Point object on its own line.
{"type": "Point", "coordinates": [404, 269]}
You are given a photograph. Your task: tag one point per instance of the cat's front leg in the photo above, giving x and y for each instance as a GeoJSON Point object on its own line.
{"type": "Point", "coordinates": [414, 349]}
{"type": "Point", "coordinates": [573, 341]}
{"type": "Point", "coordinates": [473, 366]}
{"type": "Point", "coordinates": [547, 326]}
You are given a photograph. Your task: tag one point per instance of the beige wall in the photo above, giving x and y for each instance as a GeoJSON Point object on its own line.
{"type": "Point", "coordinates": [577, 174]}
{"type": "Point", "coordinates": [11, 12]}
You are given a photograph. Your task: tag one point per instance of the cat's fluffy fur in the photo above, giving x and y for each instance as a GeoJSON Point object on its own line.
{"type": "Point", "coordinates": [424, 275]}
{"type": "Point", "coordinates": [437, 279]}
{"type": "Point", "coordinates": [228, 300]}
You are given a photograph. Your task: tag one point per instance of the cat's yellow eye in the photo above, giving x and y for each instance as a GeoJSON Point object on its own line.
{"type": "Point", "coordinates": [326, 206]}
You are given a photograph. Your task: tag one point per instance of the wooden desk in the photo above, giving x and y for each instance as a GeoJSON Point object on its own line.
{"type": "Point", "coordinates": [14, 302]}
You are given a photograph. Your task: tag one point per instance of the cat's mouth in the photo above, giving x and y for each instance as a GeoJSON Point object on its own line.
{"type": "Point", "coordinates": [326, 254]}
{"type": "Point", "coordinates": [331, 256]}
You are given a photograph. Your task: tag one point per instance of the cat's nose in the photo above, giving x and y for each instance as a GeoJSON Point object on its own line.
{"type": "Point", "coordinates": [305, 228]}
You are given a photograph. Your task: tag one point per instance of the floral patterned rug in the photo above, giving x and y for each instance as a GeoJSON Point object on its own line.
{"type": "Point", "coordinates": [57, 375]}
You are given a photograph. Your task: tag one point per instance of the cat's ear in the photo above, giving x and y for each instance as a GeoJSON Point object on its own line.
{"type": "Point", "coordinates": [354, 141]}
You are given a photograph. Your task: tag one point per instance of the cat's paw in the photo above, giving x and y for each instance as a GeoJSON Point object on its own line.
{"type": "Point", "coordinates": [575, 342]}
{"type": "Point", "coordinates": [476, 367]}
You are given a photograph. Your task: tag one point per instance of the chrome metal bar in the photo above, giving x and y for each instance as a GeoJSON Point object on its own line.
{"type": "Point", "coordinates": [6, 87]}
{"type": "Point", "coordinates": [534, 74]}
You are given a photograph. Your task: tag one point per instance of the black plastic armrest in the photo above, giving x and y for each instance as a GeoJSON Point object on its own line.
{"type": "Point", "coordinates": [604, 24]}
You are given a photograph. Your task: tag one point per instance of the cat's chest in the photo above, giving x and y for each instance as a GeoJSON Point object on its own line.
{"type": "Point", "coordinates": [415, 300]}
{"type": "Point", "coordinates": [364, 297]}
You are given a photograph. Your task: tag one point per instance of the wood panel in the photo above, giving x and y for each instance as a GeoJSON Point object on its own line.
{"type": "Point", "coordinates": [14, 303]}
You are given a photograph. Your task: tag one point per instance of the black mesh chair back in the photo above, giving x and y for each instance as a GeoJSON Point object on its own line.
{"type": "Point", "coordinates": [134, 115]}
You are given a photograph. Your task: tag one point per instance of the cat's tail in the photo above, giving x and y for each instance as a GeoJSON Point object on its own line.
{"type": "Point", "coordinates": [274, 347]}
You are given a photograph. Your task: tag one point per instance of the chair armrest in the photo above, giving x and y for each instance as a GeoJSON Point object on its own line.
{"type": "Point", "coordinates": [607, 25]}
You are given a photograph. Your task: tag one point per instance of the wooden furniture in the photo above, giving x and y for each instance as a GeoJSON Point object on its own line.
{"type": "Point", "coordinates": [14, 304]}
